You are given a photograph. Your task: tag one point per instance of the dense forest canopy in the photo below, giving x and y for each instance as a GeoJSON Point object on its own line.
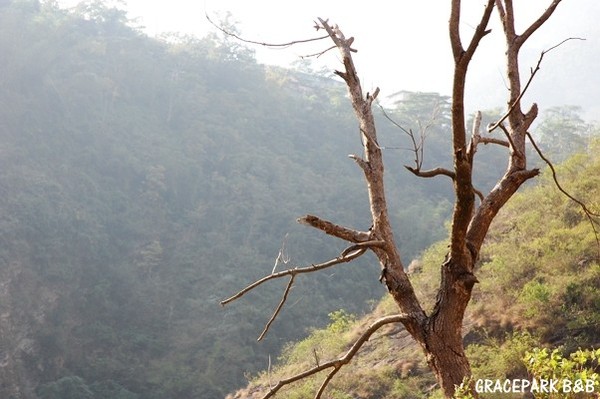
{"type": "Point", "coordinates": [143, 179]}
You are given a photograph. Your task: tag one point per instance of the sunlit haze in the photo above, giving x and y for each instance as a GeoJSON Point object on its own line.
{"type": "Point", "coordinates": [401, 45]}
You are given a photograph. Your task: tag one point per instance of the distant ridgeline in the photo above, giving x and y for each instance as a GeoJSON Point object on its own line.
{"type": "Point", "coordinates": [142, 180]}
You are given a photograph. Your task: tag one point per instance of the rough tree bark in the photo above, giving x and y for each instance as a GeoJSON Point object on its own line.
{"type": "Point", "coordinates": [439, 333]}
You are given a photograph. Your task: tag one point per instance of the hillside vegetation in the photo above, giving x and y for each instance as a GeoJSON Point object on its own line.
{"type": "Point", "coordinates": [539, 276]}
{"type": "Point", "coordinates": [144, 179]}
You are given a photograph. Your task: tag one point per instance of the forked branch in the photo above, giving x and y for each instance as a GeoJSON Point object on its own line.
{"type": "Point", "coordinates": [337, 364]}
{"type": "Point", "coordinates": [493, 127]}
{"type": "Point", "coordinates": [418, 146]}
{"type": "Point", "coordinates": [477, 139]}
{"type": "Point", "coordinates": [345, 257]}
{"type": "Point", "coordinates": [540, 21]}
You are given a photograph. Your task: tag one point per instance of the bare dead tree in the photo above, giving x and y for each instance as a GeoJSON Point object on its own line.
{"type": "Point", "coordinates": [438, 333]}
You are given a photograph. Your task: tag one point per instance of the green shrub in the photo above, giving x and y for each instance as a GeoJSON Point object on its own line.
{"type": "Point", "coordinates": [534, 296]}
{"type": "Point", "coordinates": [577, 374]}
{"type": "Point", "coordinates": [496, 359]}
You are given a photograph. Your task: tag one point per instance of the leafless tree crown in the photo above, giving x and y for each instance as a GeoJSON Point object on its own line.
{"type": "Point", "coordinates": [439, 332]}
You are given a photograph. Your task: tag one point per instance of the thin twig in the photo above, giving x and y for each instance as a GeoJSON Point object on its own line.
{"type": "Point", "coordinates": [297, 270]}
{"type": "Point", "coordinates": [389, 118]}
{"type": "Point", "coordinates": [278, 309]}
{"type": "Point", "coordinates": [281, 256]}
{"type": "Point", "coordinates": [418, 148]}
{"type": "Point", "coordinates": [509, 138]}
{"type": "Point", "coordinates": [589, 214]}
{"type": "Point", "coordinates": [288, 44]}
{"type": "Point", "coordinates": [532, 75]}
{"type": "Point", "coordinates": [316, 356]}
{"type": "Point", "coordinates": [318, 54]}
{"type": "Point", "coordinates": [269, 371]}
{"type": "Point", "coordinates": [479, 194]}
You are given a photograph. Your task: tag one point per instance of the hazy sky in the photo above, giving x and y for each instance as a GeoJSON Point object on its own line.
{"type": "Point", "coordinates": [402, 45]}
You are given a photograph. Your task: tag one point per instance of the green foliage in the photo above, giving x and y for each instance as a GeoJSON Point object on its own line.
{"type": "Point", "coordinates": [577, 374]}
{"type": "Point", "coordinates": [543, 259]}
{"type": "Point", "coordinates": [340, 321]}
{"type": "Point", "coordinates": [464, 390]}
{"type": "Point", "coordinates": [402, 389]}
{"type": "Point", "coordinates": [534, 296]}
{"type": "Point", "coordinates": [501, 357]}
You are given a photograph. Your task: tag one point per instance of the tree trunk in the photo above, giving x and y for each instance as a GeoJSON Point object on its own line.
{"type": "Point", "coordinates": [443, 346]}
{"type": "Point", "coordinates": [446, 358]}
{"type": "Point", "coordinates": [440, 333]}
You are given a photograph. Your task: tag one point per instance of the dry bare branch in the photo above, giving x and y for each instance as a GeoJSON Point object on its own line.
{"type": "Point", "coordinates": [347, 255]}
{"type": "Point", "coordinates": [480, 31]}
{"type": "Point", "coordinates": [297, 270]}
{"type": "Point", "coordinates": [539, 22]}
{"type": "Point", "coordinates": [333, 229]}
{"type": "Point", "coordinates": [431, 172]}
{"type": "Point", "coordinates": [337, 364]}
{"type": "Point", "coordinates": [275, 45]}
{"type": "Point", "coordinates": [493, 127]}
{"type": "Point", "coordinates": [363, 245]}
{"type": "Point", "coordinates": [588, 213]}
{"type": "Point", "coordinates": [278, 308]}
{"type": "Point", "coordinates": [476, 138]}
{"type": "Point", "coordinates": [317, 54]}
{"type": "Point", "coordinates": [491, 140]}
{"type": "Point", "coordinates": [418, 147]}
{"type": "Point", "coordinates": [360, 162]}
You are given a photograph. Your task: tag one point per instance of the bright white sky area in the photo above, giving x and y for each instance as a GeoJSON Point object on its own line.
{"type": "Point", "coordinates": [402, 45]}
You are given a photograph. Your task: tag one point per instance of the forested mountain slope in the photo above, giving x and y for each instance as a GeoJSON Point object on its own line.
{"type": "Point", "coordinates": [143, 181]}
{"type": "Point", "coordinates": [539, 275]}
